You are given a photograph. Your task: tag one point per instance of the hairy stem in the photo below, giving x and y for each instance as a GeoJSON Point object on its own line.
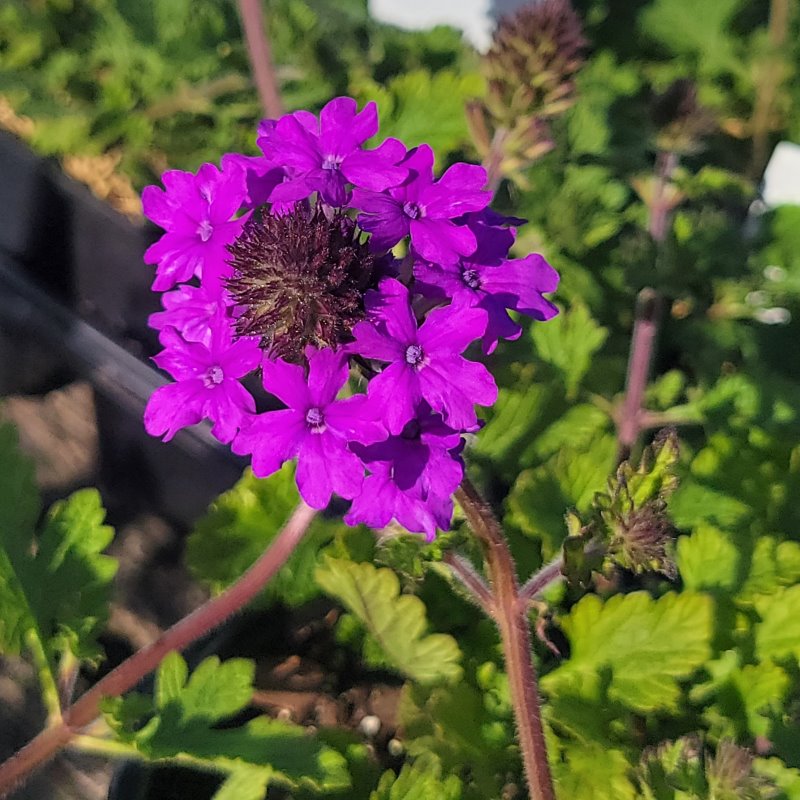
{"type": "Point", "coordinates": [260, 53]}
{"type": "Point", "coordinates": [511, 615]}
{"type": "Point", "coordinates": [469, 578]}
{"type": "Point", "coordinates": [47, 682]}
{"type": "Point", "coordinates": [191, 628]}
{"type": "Point", "coordinates": [645, 329]}
{"type": "Point", "coordinates": [547, 575]}
{"type": "Point", "coordinates": [493, 163]}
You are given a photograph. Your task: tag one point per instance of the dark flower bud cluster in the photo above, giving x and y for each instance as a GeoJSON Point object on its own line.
{"type": "Point", "coordinates": [285, 263]}
{"type": "Point", "coordinates": [299, 279]}
{"type": "Point", "coordinates": [530, 70]}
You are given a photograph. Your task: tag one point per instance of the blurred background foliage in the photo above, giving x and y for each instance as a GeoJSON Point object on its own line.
{"type": "Point", "coordinates": [655, 689]}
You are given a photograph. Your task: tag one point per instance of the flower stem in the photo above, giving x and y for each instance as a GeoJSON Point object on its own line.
{"type": "Point", "coordinates": [191, 628]}
{"type": "Point", "coordinates": [645, 329]}
{"type": "Point", "coordinates": [260, 53]}
{"type": "Point", "coordinates": [493, 163]}
{"type": "Point", "coordinates": [469, 578]}
{"type": "Point", "coordinates": [47, 682]}
{"type": "Point", "coordinates": [547, 575]}
{"type": "Point", "coordinates": [511, 615]}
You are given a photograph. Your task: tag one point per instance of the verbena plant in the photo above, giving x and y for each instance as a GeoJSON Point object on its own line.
{"type": "Point", "coordinates": [661, 582]}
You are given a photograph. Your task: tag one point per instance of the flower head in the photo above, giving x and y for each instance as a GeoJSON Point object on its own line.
{"type": "Point", "coordinates": [283, 262]}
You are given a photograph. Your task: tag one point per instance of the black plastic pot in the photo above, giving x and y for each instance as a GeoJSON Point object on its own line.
{"type": "Point", "coordinates": [74, 301]}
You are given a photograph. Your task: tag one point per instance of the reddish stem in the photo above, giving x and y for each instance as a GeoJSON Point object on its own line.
{"type": "Point", "coordinates": [666, 163]}
{"type": "Point", "coordinates": [260, 54]}
{"type": "Point", "coordinates": [191, 628]}
{"type": "Point", "coordinates": [511, 615]}
{"type": "Point", "coordinates": [645, 328]}
{"type": "Point", "coordinates": [471, 581]}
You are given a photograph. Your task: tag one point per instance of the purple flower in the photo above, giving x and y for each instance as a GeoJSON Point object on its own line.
{"type": "Point", "coordinates": [425, 362]}
{"type": "Point", "coordinates": [196, 312]}
{"type": "Point", "coordinates": [261, 176]}
{"type": "Point", "coordinates": [207, 385]}
{"type": "Point", "coordinates": [197, 213]}
{"type": "Point", "coordinates": [425, 208]}
{"type": "Point", "coordinates": [412, 477]}
{"type": "Point", "coordinates": [316, 427]}
{"type": "Point", "coordinates": [323, 156]}
{"type": "Point", "coordinates": [488, 280]}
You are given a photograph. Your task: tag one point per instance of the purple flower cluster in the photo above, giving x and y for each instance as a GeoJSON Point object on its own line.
{"type": "Point", "coordinates": [324, 260]}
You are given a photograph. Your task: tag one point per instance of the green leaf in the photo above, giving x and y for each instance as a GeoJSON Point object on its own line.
{"type": "Point", "coordinates": [396, 623]}
{"type": "Point", "coordinates": [19, 498]}
{"type": "Point", "coordinates": [647, 646]}
{"type": "Point", "coordinates": [593, 772]}
{"type": "Point", "coordinates": [420, 106]}
{"type": "Point", "coordinates": [778, 633]}
{"type": "Point", "coordinates": [214, 691]}
{"type": "Point", "coordinates": [699, 30]}
{"type": "Point", "coordinates": [244, 783]}
{"type": "Point", "coordinates": [513, 420]}
{"type": "Point", "coordinates": [421, 780]}
{"type": "Point", "coordinates": [786, 778]}
{"type": "Point", "coordinates": [541, 496]}
{"type": "Point", "coordinates": [241, 524]}
{"type": "Point", "coordinates": [708, 559]}
{"type": "Point", "coordinates": [601, 83]}
{"type": "Point", "coordinates": [181, 724]}
{"type": "Point", "coordinates": [466, 732]}
{"type": "Point", "coordinates": [54, 586]}
{"type": "Point", "coordinates": [576, 429]}
{"type": "Point", "coordinates": [773, 565]}
{"type": "Point", "coordinates": [694, 503]}
{"type": "Point", "coordinates": [568, 342]}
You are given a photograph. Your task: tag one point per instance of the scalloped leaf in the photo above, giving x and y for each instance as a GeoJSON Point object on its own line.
{"type": "Point", "coordinates": [568, 342]}
{"type": "Point", "coordinates": [396, 623]}
{"type": "Point", "coordinates": [644, 645]}
{"type": "Point", "coordinates": [181, 721]}
{"type": "Point", "coordinates": [54, 585]}
{"type": "Point", "coordinates": [778, 633]}
{"type": "Point", "coordinates": [593, 772]}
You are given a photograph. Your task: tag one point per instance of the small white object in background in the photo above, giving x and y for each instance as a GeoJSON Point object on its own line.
{"type": "Point", "coordinates": [472, 16]}
{"type": "Point", "coordinates": [782, 176]}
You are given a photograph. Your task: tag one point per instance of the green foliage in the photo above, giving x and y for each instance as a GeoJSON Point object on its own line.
{"type": "Point", "coordinates": [138, 77]}
{"type": "Point", "coordinates": [395, 623]}
{"type": "Point", "coordinates": [421, 106]}
{"type": "Point", "coordinates": [646, 645]}
{"type": "Point", "coordinates": [54, 582]}
{"type": "Point", "coordinates": [180, 724]}
{"type": "Point", "coordinates": [568, 343]}
{"type": "Point", "coordinates": [240, 525]}
{"type": "Point", "coordinates": [568, 479]}
{"type": "Point", "coordinates": [421, 780]}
